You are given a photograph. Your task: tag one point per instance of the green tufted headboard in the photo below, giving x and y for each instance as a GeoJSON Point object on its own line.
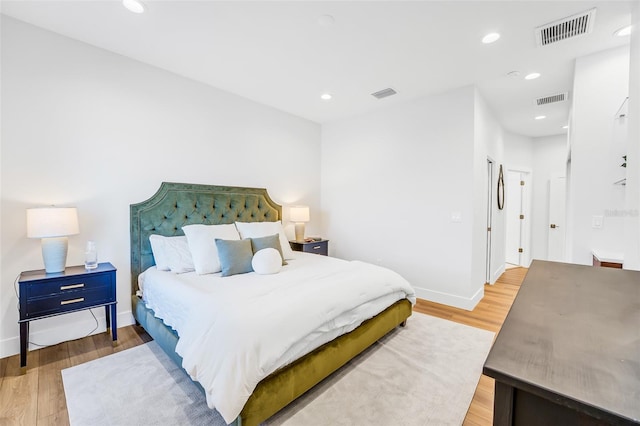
{"type": "Point", "coordinates": [178, 204]}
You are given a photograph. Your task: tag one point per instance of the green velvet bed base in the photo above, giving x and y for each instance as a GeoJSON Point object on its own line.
{"type": "Point", "coordinates": [285, 385]}
{"type": "Point", "coordinates": [175, 205]}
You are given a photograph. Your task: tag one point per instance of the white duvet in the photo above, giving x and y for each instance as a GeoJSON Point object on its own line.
{"type": "Point", "coordinates": [235, 331]}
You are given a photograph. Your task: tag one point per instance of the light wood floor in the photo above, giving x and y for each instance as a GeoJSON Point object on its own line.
{"type": "Point", "coordinates": [37, 397]}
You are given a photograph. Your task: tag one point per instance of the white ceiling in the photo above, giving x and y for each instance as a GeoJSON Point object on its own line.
{"type": "Point", "coordinates": [277, 53]}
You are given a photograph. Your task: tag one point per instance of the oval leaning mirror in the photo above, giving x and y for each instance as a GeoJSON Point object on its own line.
{"type": "Point", "coordinates": [500, 189]}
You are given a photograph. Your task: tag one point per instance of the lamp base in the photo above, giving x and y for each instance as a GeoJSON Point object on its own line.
{"type": "Point", "coordinates": [299, 231]}
{"type": "Point", "coordinates": [54, 254]}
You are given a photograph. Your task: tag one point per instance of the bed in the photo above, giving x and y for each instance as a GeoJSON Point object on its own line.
{"type": "Point", "coordinates": [176, 205]}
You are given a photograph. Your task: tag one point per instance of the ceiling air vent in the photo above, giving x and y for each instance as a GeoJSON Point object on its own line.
{"type": "Point", "coordinates": [551, 99]}
{"type": "Point", "coordinates": [384, 93]}
{"type": "Point", "coordinates": [569, 27]}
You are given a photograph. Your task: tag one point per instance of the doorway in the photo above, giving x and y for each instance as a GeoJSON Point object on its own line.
{"type": "Point", "coordinates": [489, 220]}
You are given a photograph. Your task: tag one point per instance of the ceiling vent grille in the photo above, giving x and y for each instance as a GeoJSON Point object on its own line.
{"type": "Point", "coordinates": [566, 28]}
{"type": "Point", "coordinates": [551, 99]}
{"type": "Point", "coordinates": [384, 93]}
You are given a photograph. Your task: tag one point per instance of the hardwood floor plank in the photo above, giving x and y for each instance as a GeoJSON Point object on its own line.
{"type": "Point", "coordinates": [103, 343]}
{"type": "Point", "coordinates": [81, 351]}
{"type": "Point", "coordinates": [17, 403]}
{"type": "Point", "coordinates": [53, 359]}
{"type": "Point", "coordinates": [3, 367]}
{"type": "Point", "coordinates": [37, 397]}
{"type": "Point", "coordinates": [127, 338]}
{"type": "Point", "coordinates": [58, 419]}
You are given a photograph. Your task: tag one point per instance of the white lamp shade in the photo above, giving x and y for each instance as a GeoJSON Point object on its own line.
{"type": "Point", "coordinates": [299, 214]}
{"type": "Point", "coordinates": [48, 222]}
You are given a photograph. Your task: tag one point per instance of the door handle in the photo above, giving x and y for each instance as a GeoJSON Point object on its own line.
{"type": "Point", "coordinates": [554, 226]}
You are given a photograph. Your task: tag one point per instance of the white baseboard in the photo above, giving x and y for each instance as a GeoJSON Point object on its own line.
{"type": "Point", "coordinates": [467, 303]}
{"type": "Point", "coordinates": [497, 273]}
{"type": "Point", "coordinates": [79, 327]}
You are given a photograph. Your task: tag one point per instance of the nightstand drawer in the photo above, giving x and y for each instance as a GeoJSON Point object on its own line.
{"type": "Point", "coordinates": [68, 301]}
{"type": "Point", "coordinates": [316, 247]}
{"type": "Point", "coordinates": [66, 285]}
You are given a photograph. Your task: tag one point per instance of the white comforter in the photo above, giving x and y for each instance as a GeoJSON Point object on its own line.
{"type": "Point", "coordinates": [235, 331]}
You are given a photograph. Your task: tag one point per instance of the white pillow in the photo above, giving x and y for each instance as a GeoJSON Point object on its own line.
{"type": "Point", "coordinates": [266, 261]}
{"type": "Point", "coordinates": [159, 252]}
{"type": "Point", "coordinates": [264, 229]}
{"type": "Point", "coordinates": [171, 253]}
{"type": "Point", "coordinates": [202, 243]}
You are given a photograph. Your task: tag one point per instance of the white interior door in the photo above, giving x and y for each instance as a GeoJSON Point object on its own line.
{"type": "Point", "coordinates": [516, 219]}
{"type": "Point", "coordinates": [514, 208]}
{"type": "Point", "coordinates": [557, 228]}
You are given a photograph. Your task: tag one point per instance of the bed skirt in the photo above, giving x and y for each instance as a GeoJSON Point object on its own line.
{"type": "Point", "coordinates": [283, 386]}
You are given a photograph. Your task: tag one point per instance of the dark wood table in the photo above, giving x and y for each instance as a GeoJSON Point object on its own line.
{"type": "Point", "coordinates": [569, 350]}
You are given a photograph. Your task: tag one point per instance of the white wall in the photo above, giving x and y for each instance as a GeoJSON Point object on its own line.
{"type": "Point", "coordinates": [549, 158]}
{"type": "Point", "coordinates": [85, 127]}
{"type": "Point", "coordinates": [488, 143]}
{"type": "Point", "coordinates": [632, 193]}
{"type": "Point", "coordinates": [518, 152]}
{"type": "Point", "coordinates": [600, 86]}
{"type": "Point", "coordinates": [391, 180]}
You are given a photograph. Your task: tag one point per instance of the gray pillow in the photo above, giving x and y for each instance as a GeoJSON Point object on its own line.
{"type": "Point", "coordinates": [270, 241]}
{"type": "Point", "coordinates": [235, 256]}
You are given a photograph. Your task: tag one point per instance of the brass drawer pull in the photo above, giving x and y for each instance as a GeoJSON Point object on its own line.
{"type": "Point", "coordinates": [69, 287]}
{"type": "Point", "coordinates": [68, 302]}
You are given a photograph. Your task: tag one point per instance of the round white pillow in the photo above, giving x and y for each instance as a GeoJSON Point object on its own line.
{"type": "Point", "coordinates": [267, 261]}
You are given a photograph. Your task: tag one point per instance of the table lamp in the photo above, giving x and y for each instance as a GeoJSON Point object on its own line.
{"type": "Point", "coordinates": [53, 225]}
{"type": "Point", "coordinates": [299, 215]}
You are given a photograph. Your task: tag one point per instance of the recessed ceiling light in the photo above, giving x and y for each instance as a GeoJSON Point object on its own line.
{"type": "Point", "coordinates": [326, 96]}
{"type": "Point", "coordinates": [532, 76]}
{"type": "Point", "coordinates": [490, 38]}
{"type": "Point", "coordinates": [135, 6]}
{"type": "Point", "coordinates": [565, 127]}
{"type": "Point", "coordinates": [540, 117]}
{"type": "Point", "coordinates": [326, 20]}
{"type": "Point", "coordinates": [624, 31]}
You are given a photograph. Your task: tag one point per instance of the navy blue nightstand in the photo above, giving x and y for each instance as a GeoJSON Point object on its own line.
{"type": "Point", "coordinates": [45, 295]}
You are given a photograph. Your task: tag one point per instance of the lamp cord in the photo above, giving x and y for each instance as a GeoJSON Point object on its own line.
{"type": "Point", "coordinates": [15, 289]}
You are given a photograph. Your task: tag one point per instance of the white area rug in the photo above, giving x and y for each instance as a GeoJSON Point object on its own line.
{"type": "Point", "coordinates": [423, 374]}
